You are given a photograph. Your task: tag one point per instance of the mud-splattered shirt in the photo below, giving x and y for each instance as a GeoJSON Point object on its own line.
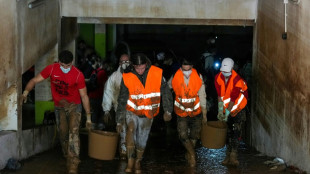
{"type": "Point", "coordinates": [64, 86]}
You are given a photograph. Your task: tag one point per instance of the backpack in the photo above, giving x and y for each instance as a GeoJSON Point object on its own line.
{"type": "Point", "coordinates": [92, 82]}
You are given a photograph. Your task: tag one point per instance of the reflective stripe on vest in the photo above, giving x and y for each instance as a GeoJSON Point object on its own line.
{"type": "Point", "coordinates": [141, 96]}
{"type": "Point", "coordinates": [187, 109]}
{"type": "Point", "coordinates": [187, 101]}
{"type": "Point", "coordinates": [144, 100]}
{"type": "Point", "coordinates": [241, 101]}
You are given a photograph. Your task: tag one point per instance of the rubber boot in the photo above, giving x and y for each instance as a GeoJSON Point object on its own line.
{"type": "Point", "coordinates": [191, 155]}
{"type": "Point", "coordinates": [131, 160]}
{"type": "Point", "coordinates": [138, 161]}
{"type": "Point", "coordinates": [226, 160]}
{"type": "Point", "coordinates": [73, 165]}
{"type": "Point", "coordinates": [233, 160]}
{"type": "Point", "coordinates": [122, 154]}
{"type": "Point", "coordinates": [130, 164]}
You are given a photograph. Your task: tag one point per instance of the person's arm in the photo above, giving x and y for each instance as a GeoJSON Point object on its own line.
{"type": "Point", "coordinates": [86, 105]}
{"type": "Point", "coordinates": [122, 102]}
{"type": "Point", "coordinates": [85, 100]}
{"type": "Point", "coordinates": [203, 100]}
{"type": "Point", "coordinates": [166, 96]}
{"type": "Point", "coordinates": [30, 85]}
{"type": "Point", "coordinates": [108, 95]}
{"type": "Point", "coordinates": [202, 95]}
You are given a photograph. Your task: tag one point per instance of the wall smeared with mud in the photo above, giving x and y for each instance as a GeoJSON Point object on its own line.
{"type": "Point", "coordinates": [281, 95]}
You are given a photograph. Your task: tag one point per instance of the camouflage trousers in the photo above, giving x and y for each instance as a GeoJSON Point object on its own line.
{"type": "Point", "coordinates": [234, 130]}
{"type": "Point", "coordinates": [189, 128]}
{"type": "Point", "coordinates": [68, 120]}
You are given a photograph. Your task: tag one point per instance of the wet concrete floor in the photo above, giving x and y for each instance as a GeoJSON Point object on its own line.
{"type": "Point", "coordinates": [163, 155]}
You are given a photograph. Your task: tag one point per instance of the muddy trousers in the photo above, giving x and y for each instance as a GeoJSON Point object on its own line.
{"type": "Point", "coordinates": [234, 132]}
{"type": "Point", "coordinates": [68, 123]}
{"type": "Point", "coordinates": [138, 129]}
{"type": "Point", "coordinates": [122, 142]}
{"type": "Point", "coordinates": [189, 132]}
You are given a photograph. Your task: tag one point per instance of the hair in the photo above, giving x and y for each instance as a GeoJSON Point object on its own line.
{"type": "Point", "coordinates": [65, 57]}
{"type": "Point", "coordinates": [186, 61]}
{"type": "Point", "coordinates": [139, 59]}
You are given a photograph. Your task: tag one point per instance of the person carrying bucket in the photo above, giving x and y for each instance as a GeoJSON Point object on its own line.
{"type": "Point", "coordinates": [111, 93]}
{"type": "Point", "coordinates": [232, 98]}
{"type": "Point", "coordinates": [190, 105]}
{"type": "Point", "coordinates": [69, 94]}
{"type": "Point", "coordinates": [138, 103]}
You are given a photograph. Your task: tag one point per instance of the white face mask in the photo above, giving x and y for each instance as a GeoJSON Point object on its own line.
{"type": "Point", "coordinates": [187, 73]}
{"type": "Point", "coordinates": [226, 74]}
{"type": "Point", "coordinates": [124, 65]}
{"type": "Point", "coordinates": [65, 70]}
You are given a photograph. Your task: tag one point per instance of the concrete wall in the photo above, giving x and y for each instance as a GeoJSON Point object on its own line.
{"type": "Point", "coordinates": [162, 11]}
{"type": "Point", "coordinates": [28, 143]}
{"type": "Point", "coordinates": [9, 61]}
{"type": "Point", "coordinates": [37, 30]}
{"type": "Point", "coordinates": [281, 95]}
{"type": "Point", "coordinates": [26, 35]}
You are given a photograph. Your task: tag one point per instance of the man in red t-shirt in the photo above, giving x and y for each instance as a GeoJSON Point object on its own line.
{"type": "Point", "coordinates": [68, 92]}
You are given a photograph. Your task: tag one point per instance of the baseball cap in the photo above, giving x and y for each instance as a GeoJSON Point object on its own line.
{"type": "Point", "coordinates": [227, 65]}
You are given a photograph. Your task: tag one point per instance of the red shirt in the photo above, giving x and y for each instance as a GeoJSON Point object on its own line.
{"type": "Point", "coordinates": [101, 79]}
{"type": "Point", "coordinates": [64, 86]}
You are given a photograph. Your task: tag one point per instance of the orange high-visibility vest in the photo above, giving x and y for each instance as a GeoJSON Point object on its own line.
{"type": "Point", "coordinates": [186, 101]}
{"type": "Point", "coordinates": [144, 100]}
{"type": "Point", "coordinates": [241, 101]}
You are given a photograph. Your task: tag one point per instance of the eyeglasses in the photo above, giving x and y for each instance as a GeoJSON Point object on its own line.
{"type": "Point", "coordinates": [124, 61]}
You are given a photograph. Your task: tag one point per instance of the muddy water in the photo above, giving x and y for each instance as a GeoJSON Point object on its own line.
{"type": "Point", "coordinates": [164, 154]}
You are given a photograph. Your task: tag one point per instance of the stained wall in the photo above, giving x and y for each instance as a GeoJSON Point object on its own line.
{"type": "Point", "coordinates": [281, 94]}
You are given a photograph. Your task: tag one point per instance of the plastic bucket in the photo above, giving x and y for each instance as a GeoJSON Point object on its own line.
{"type": "Point", "coordinates": [213, 134]}
{"type": "Point", "coordinates": [102, 145]}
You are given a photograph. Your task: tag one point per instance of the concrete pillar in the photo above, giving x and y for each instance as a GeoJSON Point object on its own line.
{"type": "Point", "coordinates": [43, 96]}
{"type": "Point", "coordinates": [100, 40]}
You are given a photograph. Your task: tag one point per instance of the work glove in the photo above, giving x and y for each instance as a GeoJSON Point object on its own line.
{"type": "Point", "coordinates": [220, 114]}
{"type": "Point", "coordinates": [24, 96]}
{"type": "Point", "coordinates": [167, 116]}
{"type": "Point", "coordinates": [88, 124]}
{"type": "Point", "coordinates": [204, 116]}
{"type": "Point", "coordinates": [119, 128]}
{"type": "Point", "coordinates": [220, 107]}
{"type": "Point", "coordinates": [106, 117]}
{"type": "Point", "coordinates": [227, 112]}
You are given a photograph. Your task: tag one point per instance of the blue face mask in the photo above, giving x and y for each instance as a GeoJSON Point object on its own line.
{"type": "Point", "coordinates": [65, 70]}
{"type": "Point", "coordinates": [226, 74]}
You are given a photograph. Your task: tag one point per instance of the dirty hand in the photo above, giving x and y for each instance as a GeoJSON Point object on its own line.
{"type": "Point", "coordinates": [106, 117]}
{"type": "Point", "coordinates": [167, 116]}
{"type": "Point", "coordinates": [119, 128]}
{"type": "Point", "coordinates": [24, 96]}
{"type": "Point", "coordinates": [88, 121]}
{"type": "Point", "coordinates": [227, 112]}
{"type": "Point", "coordinates": [204, 116]}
